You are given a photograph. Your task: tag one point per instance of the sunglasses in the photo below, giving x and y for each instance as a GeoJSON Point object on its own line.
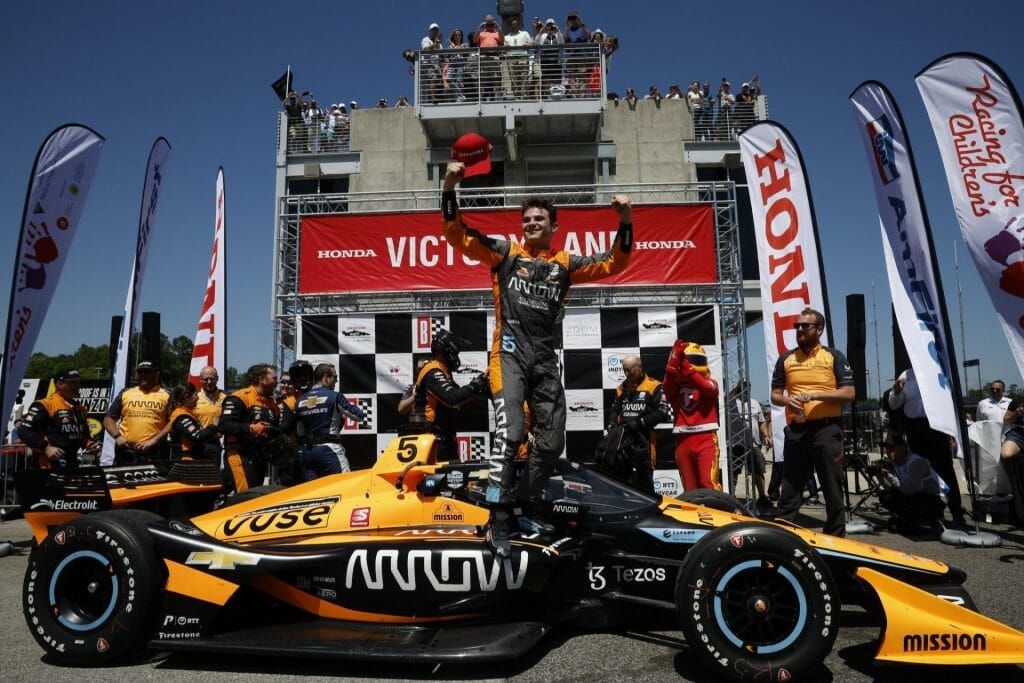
{"type": "Point", "coordinates": [285, 381]}
{"type": "Point", "coordinates": [804, 326]}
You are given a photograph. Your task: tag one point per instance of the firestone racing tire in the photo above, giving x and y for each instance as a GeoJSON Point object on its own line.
{"type": "Point", "coordinates": [757, 603]}
{"type": "Point", "coordinates": [92, 588]}
{"type": "Point", "coordinates": [716, 500]}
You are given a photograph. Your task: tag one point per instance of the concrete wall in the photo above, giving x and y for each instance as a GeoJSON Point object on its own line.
{"type": "Point", "coordinates": [648, 141]}
{"type": "Point", "coordinates": [392, 144]}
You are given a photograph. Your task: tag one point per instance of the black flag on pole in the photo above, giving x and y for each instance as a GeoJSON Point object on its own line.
{"type": "Point", "coordinates": [283, 84]}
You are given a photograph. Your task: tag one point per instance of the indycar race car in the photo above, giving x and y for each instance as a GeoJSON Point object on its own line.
{"type": "Point", "coordinates": [392, 564]}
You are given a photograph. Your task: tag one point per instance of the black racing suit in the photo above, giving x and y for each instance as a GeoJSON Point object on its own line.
{"type": "Point", "coordinates": [246, 452]}
{"type": "Point", "coordinates": [529, 287]}
{"type": "Point", "coordinates": [638, 410]}
{"type": "Point", "coordinates": [438, 398]}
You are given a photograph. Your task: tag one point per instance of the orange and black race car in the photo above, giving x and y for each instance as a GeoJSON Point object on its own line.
{"type": "Point", "coordinates": [391, 564]}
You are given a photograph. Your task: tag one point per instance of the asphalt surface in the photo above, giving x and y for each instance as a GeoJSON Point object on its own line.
{"type": "Point", "coordinates": [995, 580]}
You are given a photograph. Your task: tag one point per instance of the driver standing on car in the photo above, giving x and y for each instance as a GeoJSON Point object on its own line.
{"type": "Point", "coordinates": [56, 427]}
{"type": "Point", "coordinates": [530, 282]}
{"type": "Point", "coordinates": [248, 420]}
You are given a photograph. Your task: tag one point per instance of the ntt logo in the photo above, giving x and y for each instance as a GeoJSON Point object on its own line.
{"type": "Point", "coordinates": [345, 253]}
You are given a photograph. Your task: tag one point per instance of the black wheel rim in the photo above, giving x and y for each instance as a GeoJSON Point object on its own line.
{"type": "Point", "coordinates": [760, 606]}
{"type": "Point", "coordinates": [83, 591]}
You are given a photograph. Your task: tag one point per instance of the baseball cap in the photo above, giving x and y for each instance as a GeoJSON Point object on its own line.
{"type": "Point", "coordinates": [146, 365]}
{"type": "Point", "coordinates": [550, 21]}
{"type": "Point", "coordinates": [433, 26]}
{"type": "Point", "coordinates": [745, 85]}
{"type": "Point", "coordinates": [67, 375]}
{"type": "Point", "coordinates": [474, 151]}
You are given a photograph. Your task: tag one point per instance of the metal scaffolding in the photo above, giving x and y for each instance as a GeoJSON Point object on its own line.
{"type": "Point", "coordinates": [726, 294]}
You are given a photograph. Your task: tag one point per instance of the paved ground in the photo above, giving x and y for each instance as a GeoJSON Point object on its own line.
{"type": "Point", "coordinates": [996, 577]}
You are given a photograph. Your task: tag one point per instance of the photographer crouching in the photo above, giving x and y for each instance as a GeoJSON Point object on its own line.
{"type": "Point", "coordinates": [912, 491]}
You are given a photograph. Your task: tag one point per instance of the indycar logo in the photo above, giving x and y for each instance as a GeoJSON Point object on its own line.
{"type": "Point", "coordinates": [444, 571]}
{"type": "Point", "coordinates": [222, 558]}
{"type": "Point", "coordinates": [61, 505]}
{"type": "Point", "coordinates": [944, 642]}
{"type": "Point", "coordinates": [448, 513]}
{"type": "Point", "coordinates": [301, 515]}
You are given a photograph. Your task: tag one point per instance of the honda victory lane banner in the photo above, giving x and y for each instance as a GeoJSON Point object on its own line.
{"type": "Point", "coordinates": [389, 252]}
{"type": "Point", "coordinates": [211, 342]}
{"type": "Point", "coordinates": [56, 196]}
{"type": "Point", "coordinates": [787, 243]}
{"type": "Point", "coordinates": [976, 117]}
{"type": "Point", "coordinates": [906, 242]}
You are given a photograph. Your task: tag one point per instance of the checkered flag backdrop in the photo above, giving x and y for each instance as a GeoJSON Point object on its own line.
{"type": "Point", "coordinates": [376, 356]}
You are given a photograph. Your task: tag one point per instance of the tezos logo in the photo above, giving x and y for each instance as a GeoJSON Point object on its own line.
{"type": "Point", "coordinates": [880, 132]}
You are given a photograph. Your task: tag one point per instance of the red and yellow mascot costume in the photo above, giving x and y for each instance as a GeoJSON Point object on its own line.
{"type": "Point", "coordinates": [694, 398]}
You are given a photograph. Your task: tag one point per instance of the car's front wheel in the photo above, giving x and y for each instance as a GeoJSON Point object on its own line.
{"type": "Point", "coordinates": [91, 588]}
{"type": "Point", "coordinates": [757, 603]}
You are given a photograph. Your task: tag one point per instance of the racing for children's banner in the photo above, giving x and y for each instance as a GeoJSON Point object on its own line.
{"type": "Point", "coordinates": [58, 186]}
{"type": "Point", "coordinates": [403, 251]}
{"type": "Point", "coordinates": [916, 287]}
{"type": "Point", "coordinates": [787, 243]}
{"type": "Point", "coordinates": [210, 344]}
{"type": "Point", "coordinates": [975, 114]}
{"type": "Point", "coordinates": [147, 220]}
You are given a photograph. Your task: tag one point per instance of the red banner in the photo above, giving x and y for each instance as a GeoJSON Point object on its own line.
{"type": "Point", "coordinates": [390, 252]}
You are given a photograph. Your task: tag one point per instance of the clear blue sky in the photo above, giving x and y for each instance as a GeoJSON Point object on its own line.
{"type": "Point", "coordinates": [199, 73]}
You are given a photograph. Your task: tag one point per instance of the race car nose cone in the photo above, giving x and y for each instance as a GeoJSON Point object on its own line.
{"type": "Point", "coordinates": [760, 606]}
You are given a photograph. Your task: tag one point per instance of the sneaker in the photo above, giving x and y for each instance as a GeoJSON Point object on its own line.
{"type": "Point", "coordinates": [497, 534]}
{"type": "Point", "coordinates": [814, 500]}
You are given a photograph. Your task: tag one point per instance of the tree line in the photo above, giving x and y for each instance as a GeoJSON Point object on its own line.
{"type": "Point", "coordinates": [94, 362]}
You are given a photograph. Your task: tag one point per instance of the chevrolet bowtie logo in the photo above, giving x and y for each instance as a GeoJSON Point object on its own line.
{"type": "Point", "coordinates": [312, 401]}
{"type": "Point", "coordinates": [222, 558]}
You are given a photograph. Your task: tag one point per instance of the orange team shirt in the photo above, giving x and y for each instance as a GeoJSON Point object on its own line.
{"type": "Point", "coordinates": [823, 369]}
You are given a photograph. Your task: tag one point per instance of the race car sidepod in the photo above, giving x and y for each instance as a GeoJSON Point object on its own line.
{"type": "Point", "coordinates": [922, 628]}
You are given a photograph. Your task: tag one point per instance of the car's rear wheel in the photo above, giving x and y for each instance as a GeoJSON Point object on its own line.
{"type": "Point", "coordinates": [92, 587]}
{"type": "Point", "coordinates": [717, 500]}
{"type": "Point", "coordinates": [757, 603]}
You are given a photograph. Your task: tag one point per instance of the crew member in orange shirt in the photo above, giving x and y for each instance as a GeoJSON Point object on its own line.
{"type": "Point", "coordinates": [813, 381]}
{"type": "Point", "coordinates": [137, 417]}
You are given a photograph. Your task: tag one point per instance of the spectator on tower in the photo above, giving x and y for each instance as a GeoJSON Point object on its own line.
{"type": "Point", "coordinates": [430, 64]}
{"type": "Point", "coordinates": [455, 66]}
{"type": "Point", "coordinates": [699, 109]}
{"type": "Point", "coordinates": [726, 102]}
{"type": "Point", "coordinates": [550, 58]}
{"type": "Point", "coordinates": [536, 28]}
{"type": "Point", "coordinates": [575, 30]}
{"type": "Point", "coordinates": [515, 67]}
{"type": "Point", "coordinates": [403, 102]}
{"type": "Point", "coordinates": [382, 103]}
{"type": "Point", "coordinates": [488, 35]}
{"type": "Point", "coordinates": [654, 94]}
{"type": "Point", "coordinates": [745, 103]}
{"type": "Point", "coordinates": [630, 98]}
{"type": "Point", "coordinates": [674, 92]}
